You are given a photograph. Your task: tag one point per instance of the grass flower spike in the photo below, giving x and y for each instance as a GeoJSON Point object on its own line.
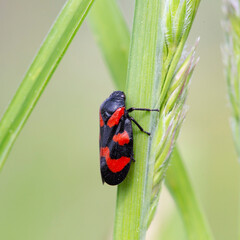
{"type": "Point", "coordinates": [158, 77]}
{"type": "Point", "coordinates": [231, 54]}
{"type": "Point", "coordinates": [171, 118]}
{"type": "Point", "coordinates": [112, 28]}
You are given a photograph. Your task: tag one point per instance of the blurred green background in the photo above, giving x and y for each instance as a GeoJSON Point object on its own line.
{"type": "Point", "coordinates": [50, 186]}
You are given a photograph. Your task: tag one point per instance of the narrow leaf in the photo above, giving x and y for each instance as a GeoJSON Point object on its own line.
{"type": "Point", "coordinates": [40, 71]}
{"type": "Point", "coordinates": [112, 35]}
{"type": "Point", "coordinates": [180, 188]}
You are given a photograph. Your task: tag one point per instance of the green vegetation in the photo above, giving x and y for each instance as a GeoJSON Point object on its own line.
{"type": "Point", "coordinates": [40, 71]}
{"type": "Point", "coordinates": [154, 69]}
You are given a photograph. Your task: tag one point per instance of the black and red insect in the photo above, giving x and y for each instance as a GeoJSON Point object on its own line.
{"type": "Point", "coordinates": [116, 138]}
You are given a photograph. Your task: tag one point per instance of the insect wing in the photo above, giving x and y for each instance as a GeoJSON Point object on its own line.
{"type": "Point", "coordinates": [116, 150]}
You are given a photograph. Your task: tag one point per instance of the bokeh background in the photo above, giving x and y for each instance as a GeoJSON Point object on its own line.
{"type": "Point", "coordinates": [50, 186]}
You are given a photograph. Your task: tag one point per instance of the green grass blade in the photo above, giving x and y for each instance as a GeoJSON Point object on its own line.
{"type": "Point", "coordinates": [180, 188]}
{"type": "Point", "coordinates": [40, 71]}
{"type": "Point", "coordinates": [102, 32]}
{"type": "Point", "coordinates": [111, 33]}
{"type": "Point", "coordinates": [134, 193]}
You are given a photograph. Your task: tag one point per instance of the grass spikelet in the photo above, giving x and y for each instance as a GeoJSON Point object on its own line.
{"type": "Point", "coordinates": [158, 77]}
{"type": "Point", "coordinates": [169, 124]}
{"type": "Point", "coordinates": [231, 54]}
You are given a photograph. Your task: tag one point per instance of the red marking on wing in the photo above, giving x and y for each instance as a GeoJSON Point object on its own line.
{"type": "Point", "coordinates": [101, 120]}
{"type": "Point", "coordinates": [115, 165]}
{"type": "Point", "coordinates": [115, 118]}
{"type": "Point", "coordinates": [121, 138]}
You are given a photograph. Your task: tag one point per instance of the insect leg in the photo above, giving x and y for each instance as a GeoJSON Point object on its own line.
{"type": "Point", "coordinates": [141, 129]}
{"type": "Point", "coordinates": [142, 109]}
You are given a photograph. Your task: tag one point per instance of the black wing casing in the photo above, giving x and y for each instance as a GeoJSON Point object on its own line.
{"type": "Point", "coordinates": [116, 138]}
{"type": "Point", "coordinates": [116, 146]}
